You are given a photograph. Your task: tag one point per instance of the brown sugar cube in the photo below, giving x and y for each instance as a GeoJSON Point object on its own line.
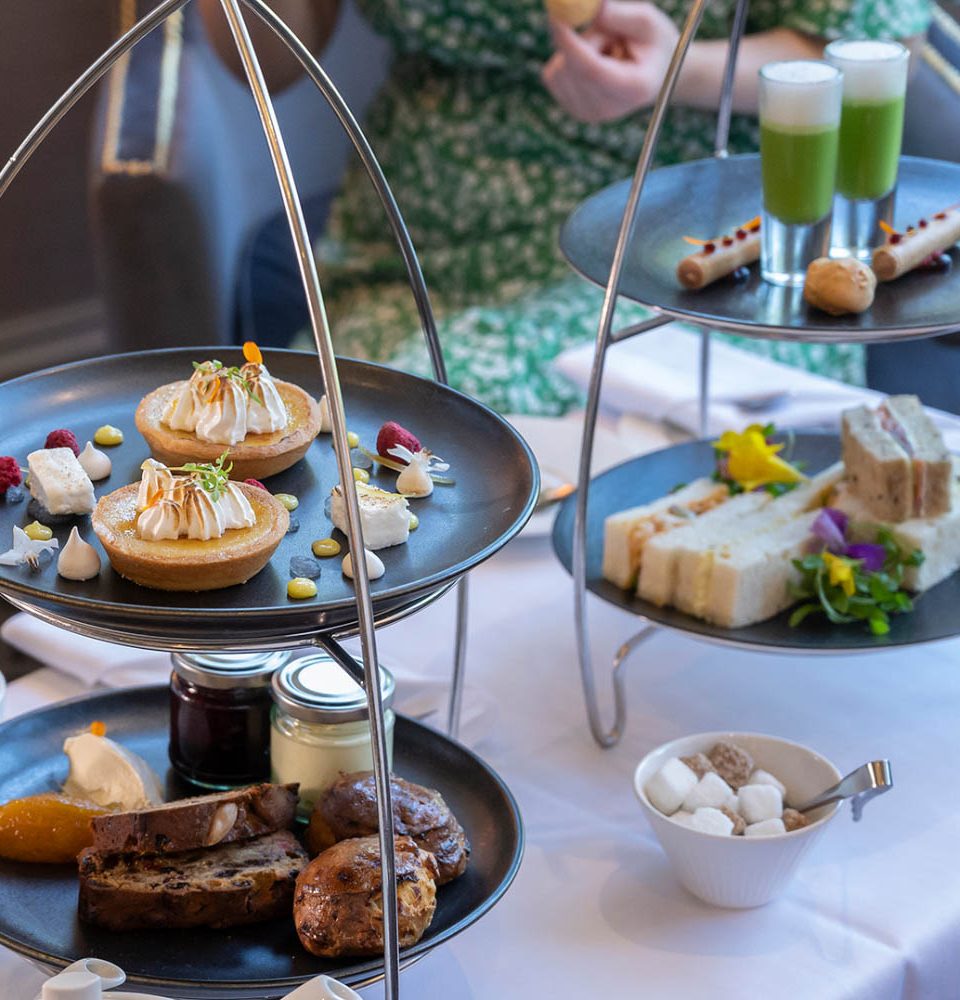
{"type": "Point", "coordinates": [732, 763]}
{"type": "Point", "coordinates": [739, 823]}
{"type": "Point", "coordinates": [793, 820]}
{"type": "Point", "coordinates": [699, 763]}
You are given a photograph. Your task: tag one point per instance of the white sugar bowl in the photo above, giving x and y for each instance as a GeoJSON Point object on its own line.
{"type": "Point", "coordinates": [741, 872]}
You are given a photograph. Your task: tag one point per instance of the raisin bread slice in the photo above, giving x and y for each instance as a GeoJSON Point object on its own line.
{"type": "Point", "coordinates": [213, 887]}
{"type": "Point", "coordinates": [203, 821]}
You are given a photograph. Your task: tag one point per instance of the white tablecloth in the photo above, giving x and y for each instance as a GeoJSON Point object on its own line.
{"type": "Point", "coordinates": [595, 913]}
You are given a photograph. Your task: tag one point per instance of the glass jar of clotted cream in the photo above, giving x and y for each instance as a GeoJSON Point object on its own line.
{"type": "Point", "coordinates": [320, 725]}
{"type": "Point", "coordinates": [220, 717]}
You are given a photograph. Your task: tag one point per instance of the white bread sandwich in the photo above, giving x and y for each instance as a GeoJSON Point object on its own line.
{"type": "Point", "coordinates": [626, 534]}
{"type": "Point", "coordinates": [938, 538]}
{"type": "Point", "coordinates": [896, 461]}
{"type": "Point", "coordinates": [679, 569]}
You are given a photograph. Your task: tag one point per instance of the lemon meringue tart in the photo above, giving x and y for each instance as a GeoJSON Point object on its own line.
{"type": "Point", "coordinates": [189, 528]}
{"type": "Point", "coordinates": [264, 424]}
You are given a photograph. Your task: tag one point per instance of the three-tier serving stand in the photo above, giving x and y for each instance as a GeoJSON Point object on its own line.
{"type": "Point", "coordinates": [365, 623]}
{"type": "Point", "coordinates": [583, 242]}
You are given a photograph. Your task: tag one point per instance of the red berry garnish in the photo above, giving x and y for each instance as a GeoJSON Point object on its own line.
{"type": "Point", "coordinates": [922, 223]}
{"type": "Point", "coordinates": [390, 435]}
{"type": "Point", "coordinates": [727, 241]}
{"type": "Point", "coordinates": [708, 248]}
{"type": "Point", "coordinates": [10, 474]}
{"type": "Point", "coordinates": [895, 238]}
{"type": "Point", "coordinates": [255, 482]}
{"type": "Point", "coordinates": [740, 234]}
{"type": "Point", "coordinates": [940, 215]}
{"type": "Point", "coordinates": [62, 438]}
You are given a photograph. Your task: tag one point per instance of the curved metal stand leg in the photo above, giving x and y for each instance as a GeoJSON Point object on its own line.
{"type": "Point", "coordinates": [328, 365]}
{"type": "Point", "coordinates": [726, 92]}
{"type": "Point", "coordinates": [459, 660]}
{"type": "Point", "coordinates": [609, 737]}
{"type": "Point", "coordinates": [704, 388]}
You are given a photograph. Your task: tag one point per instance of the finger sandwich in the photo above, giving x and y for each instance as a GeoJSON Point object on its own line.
{"type": "Point", "coordinates": [627, 533]}
{"type": "Point", "coordinates": [897, 463]}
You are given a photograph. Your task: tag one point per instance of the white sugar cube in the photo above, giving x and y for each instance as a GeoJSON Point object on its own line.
{"type": "Point", "coordinates": [682, 817]}
{"type": "Point", "coordinates": [669, 786]}
{"type": "Point", "coordinates": [755, 803]}
{"type": "Point", "coordinates": [766, 828]}
{"type": "Point", "coordinates": [711, 790]}
{"type": "Point", "coordinates": [710, 820]}
{"type": "Point", "coordinates": [761, 777]}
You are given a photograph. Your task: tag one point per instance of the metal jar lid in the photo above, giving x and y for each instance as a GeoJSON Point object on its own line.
{"type": "Point", "coordinates": [315, 688]}
{"type": "Point", "coordinates": [233, 670]}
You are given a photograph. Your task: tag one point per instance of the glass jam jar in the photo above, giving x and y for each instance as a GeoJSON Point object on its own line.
{"type": "Point", "coordinates": [220, 717]}
{"type": "Point", "coordinates": [320, 725]}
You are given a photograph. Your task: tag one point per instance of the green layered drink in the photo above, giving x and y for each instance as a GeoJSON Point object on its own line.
{"type": "Point", "coordinates": [799, 136]}
{"type": "Point", "coordinates": [870, 136]}
{"type": "Point", "coordinates": [871, 129]}
{"type": "Point", "coordinates": [797, 166]}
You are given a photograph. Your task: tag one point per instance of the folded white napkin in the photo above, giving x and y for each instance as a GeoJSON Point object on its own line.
{"type": "Point", "coordinates": [93, 662]}
{"type": "Point", "coordinates": [655, 375]}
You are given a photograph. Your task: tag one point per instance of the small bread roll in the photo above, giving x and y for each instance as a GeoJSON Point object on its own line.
{"type": "Point", "coordinates": [839, 286]}
{"type": "Point", "coordinates": [575, 13]}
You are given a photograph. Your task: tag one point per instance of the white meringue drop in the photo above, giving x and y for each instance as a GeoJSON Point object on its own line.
{"type": "Point", "coordinates": [78, 560]}
{"type": "Point", "coordinates": [375, 567]}
{"type": "Point", "coordinates": [95, 463]}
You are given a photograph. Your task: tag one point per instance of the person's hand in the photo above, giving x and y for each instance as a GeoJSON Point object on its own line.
{"type": "Point", "coordinates": [616, 66]}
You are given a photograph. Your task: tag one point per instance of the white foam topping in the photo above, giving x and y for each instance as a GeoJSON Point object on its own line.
{"type": "Point", "coordinates": [872, 71]}
{"type": "Point", "coordinates": [800, 93]}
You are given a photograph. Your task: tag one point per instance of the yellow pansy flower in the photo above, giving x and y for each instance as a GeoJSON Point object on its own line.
{"type": "Point", "coordinates": [841, 572]}
{"type": "Point", "coordinates": [753, 462]}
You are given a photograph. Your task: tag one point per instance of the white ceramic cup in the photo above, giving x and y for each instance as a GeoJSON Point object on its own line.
{"type": "Point", "coordinates": [741, 872]}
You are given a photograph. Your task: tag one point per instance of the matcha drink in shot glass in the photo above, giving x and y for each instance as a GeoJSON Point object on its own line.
{"type": "Point", "coordinates": [799, 128]}
{"type": "Point", "coordinates": [871, 128]}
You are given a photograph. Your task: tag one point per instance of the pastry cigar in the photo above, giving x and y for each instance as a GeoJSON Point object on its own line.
{"type": "Point", "coordinates": [720, 257]}
{"type": "Point", "coordinates": [904, 251]}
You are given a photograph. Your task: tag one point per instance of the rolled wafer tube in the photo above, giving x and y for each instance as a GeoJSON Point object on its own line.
{"type": "Point", "coordinates": [720, 257]}
{"type": "Point", "coordinates": [904, 251]}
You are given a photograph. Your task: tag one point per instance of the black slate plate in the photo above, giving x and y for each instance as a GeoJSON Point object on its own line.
{"type": "Point", "coordinates": [706, 198]}
{"type": "Point", "coordinates": [38, 902]}
{"type": "Point", "coordinates": [936, 613]}
{"type": "Point", "coordinates": [496, 488]}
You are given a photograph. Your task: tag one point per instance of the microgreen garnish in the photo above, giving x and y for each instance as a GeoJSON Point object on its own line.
{"type": "Point", "coordinates": [211, 476]}
{"type": "Point", "coordinates": [845, 590]}
{"type": "Point", "coordinates": [234, 373]}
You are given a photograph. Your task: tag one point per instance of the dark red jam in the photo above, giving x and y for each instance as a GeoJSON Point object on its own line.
{"type": "Point", "coordinates": [220, 723]}
{"type": "Point", "coordinates": [708, 248]}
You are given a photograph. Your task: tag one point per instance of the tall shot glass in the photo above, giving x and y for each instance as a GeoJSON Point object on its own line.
{"type": "Point", "coordinates": [799, 132]}
{"type": "Point", "coordinates": [871, 130]}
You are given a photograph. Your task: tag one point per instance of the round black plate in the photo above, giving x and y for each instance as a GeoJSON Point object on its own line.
{"type": "Point", "coordinates": [706, 198]}
{"type": "Point", "coordinates": [935, 615]}
{"type": "Point", "coordinates": [38, 902]}
{"type": "Point", "coordinates": [495, 492]}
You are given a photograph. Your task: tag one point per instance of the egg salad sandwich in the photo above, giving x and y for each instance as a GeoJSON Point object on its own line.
{"type": "Point", "coordinates": [897, 463]}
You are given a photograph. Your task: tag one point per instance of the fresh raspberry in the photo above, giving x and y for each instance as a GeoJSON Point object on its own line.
{"type": "Point", "coordinates": [254, 482]}
{"type": "Point", "coordinates": [390, 435]}
{"type": "Point", "coordinates": [10, 474]}
{"type": "Point", "coordinates": [62, 439]}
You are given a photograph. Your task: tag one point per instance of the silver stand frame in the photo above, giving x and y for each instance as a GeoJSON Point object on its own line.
{"type": "Point", "coordinates": [368, 674]}
{"type": "Point", "coordinates": [608, 737]}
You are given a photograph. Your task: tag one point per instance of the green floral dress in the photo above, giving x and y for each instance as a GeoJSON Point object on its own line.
{"type": "Point", "coordinates": [486, 166]}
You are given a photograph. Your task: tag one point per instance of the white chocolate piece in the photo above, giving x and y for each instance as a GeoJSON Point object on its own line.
{"type": "Point", "coordinates": [893, 259]}
{"type": "Point", "coordinates": [78, 559]}
{"type": "Point", "coordinates": [839, 286]}
{"type": "Point", "coordinates": [58, 482]}
{"type": "Point", "coordinates": [95, 464]}
{"type": "Point", "coordinates": [701, 269]}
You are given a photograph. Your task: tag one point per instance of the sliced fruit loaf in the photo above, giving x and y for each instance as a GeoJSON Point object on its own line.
{"type": "Point", "coordinates": [203, 821]}
{"type": "Point", "coordinates": [212, 887]}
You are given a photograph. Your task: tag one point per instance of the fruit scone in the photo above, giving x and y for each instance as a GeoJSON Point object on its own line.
{"type": "Point", "coordinates": [189, 528]}
{"type": "Point", "coordinates": [264, 424]}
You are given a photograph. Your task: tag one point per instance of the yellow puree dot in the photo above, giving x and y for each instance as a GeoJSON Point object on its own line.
{"type": "Point", "coordinates": [361, 475]}
{"type": "Point", "coordinates": [38, 532]}
{"type": "Point", "coordinates": [414, 522]}
{"type": "Point", "coordinates": [288, 500]}
{"type": "Point", "coordinates": [323, 548]}
{"type": "Point", "coordinates": [353, 439]}
{"type": "Point", "coordinates": [300, 588]}
{"type": "Point", "coordinates": [108, 435]}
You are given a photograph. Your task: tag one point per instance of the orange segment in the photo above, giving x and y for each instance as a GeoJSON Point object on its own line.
{"type": "Point", "coordinates": [252, 353]}
{"type": "Point", "coordinates": [50, 828]}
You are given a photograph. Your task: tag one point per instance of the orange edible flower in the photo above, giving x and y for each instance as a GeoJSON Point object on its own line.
{"type": "Point", "coordinates": [252, 353]}
{"type": "Point", "coordinates": [695, 241]}
{"type": "Point", "coordinates": [887, 228]}
{"type": "Point", "coordinates": [98, 728]}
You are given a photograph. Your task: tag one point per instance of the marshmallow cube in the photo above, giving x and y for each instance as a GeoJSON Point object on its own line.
{"type": "Point", "coordinates": [670, 785]}
{"type": "Point", "coordinates": [709, 820]}
{"type": "Point", "coordinates": [755, 803]}
{"type": "Point", "coordinates": [766, 828]}
{"type": "Point", "coordinates": [710, 791]}
{"type": "Point", "coordinates": [761, 777]}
